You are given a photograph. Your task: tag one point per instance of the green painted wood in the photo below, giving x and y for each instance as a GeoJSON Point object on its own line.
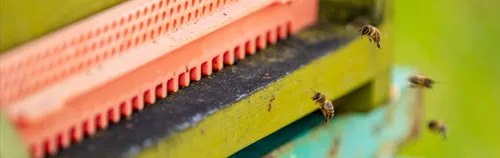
{"type": "Point", "coordinates": [24, 20]}
{"type": "Point", "coordinates": [355, 135]}
{"type": "Point", "coordinates": [10, 144]}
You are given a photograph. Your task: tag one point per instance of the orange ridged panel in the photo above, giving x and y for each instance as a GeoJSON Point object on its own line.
{"type": "Point", "coordinates": [54, 96]}
{"type": "Point", "coordinates": [74, 49]}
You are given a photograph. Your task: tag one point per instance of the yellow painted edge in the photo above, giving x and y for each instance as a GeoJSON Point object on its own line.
{"type": "Point", "coordinates": [237, 126]}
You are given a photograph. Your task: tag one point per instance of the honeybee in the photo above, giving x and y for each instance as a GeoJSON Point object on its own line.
{"type": "Point", "coordinates": [418, 80]}
{"type": "Point", "coordinates": [438, 126]}
{"type": "Point", "coordinates": [372, 32]}
{"type": "Point", "coordinates": [325, 105]}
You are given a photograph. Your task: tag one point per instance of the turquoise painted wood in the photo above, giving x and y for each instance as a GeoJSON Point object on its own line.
{"type": "Point", "coordinates": [357, 135]}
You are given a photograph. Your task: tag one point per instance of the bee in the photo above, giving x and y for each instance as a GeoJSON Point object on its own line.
{"type": "Point", "coordinates": [418, 80]}
{"type": "Point", "coordinates": [372, 32]}
{"type": "Point", "coordinates": [438, 126]}
{"type": "Point", "coordinates": [325, 105]}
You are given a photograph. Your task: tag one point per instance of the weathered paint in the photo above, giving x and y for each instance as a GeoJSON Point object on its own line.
{"type": "Point", "coordinates": [233, 128]}
{"type": "Point", "coordinates": [354, 135]}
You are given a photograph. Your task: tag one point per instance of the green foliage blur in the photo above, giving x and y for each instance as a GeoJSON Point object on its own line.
{"type": "Point", "coordinates": [456, 42]}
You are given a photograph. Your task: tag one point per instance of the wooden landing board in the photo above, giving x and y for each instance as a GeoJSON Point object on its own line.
{"type": "Point", "coordinates": [226, 112]}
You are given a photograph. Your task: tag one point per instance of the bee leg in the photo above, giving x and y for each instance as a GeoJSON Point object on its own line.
{"type": "Point", "coordinates": [444, 136]}
{"type": "Point", "coordinates": [378, 45]}
{"type": "Point", "coordinates": [444, 133]}
{"type": "Point", "coordinates": [317, 103]}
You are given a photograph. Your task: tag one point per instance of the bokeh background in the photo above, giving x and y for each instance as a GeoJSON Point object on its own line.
{"type": "Point", "coordinates": [456, 42]}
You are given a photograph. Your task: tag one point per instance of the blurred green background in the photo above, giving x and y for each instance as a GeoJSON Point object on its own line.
{"type": "Point", "coordinates": [456, 42]}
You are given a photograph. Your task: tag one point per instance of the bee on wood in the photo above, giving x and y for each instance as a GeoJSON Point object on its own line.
{"type": "Point", "coordinates": [438, 126]}
{"type": "Point", "coordinates": [372, 32]}
{"type": "Point", "coordinates": [421, 81]}
{"type": "Point", "coordinates": [325, 105]}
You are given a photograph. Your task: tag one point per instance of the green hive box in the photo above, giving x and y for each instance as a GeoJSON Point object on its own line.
{"type": "Point", "coordinates": [25, 20]}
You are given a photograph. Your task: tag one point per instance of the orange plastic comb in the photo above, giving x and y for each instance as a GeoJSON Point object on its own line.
{"type": "Point", "coordinates": [68, 83]}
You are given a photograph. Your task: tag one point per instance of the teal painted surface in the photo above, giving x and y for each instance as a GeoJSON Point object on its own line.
{"type": "Point", "coordinates": [354, 133]}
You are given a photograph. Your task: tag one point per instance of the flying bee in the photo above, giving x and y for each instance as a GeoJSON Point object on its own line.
{"type": "Point", "coordinates": [422, 81]}
{"type": "Point", "coordinates": [325, 105]}
{"type": "Point", "coordinates": [438, 126]}
{"type": "Point", "coordinates": [372, 32]}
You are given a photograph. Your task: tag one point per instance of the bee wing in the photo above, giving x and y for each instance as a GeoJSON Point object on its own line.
{"type": "Point", "coordinates": [353, 26]}
{"type": "Point", "coordinates": [445, 129]}
{"type": "Point", "coordinates": [410, 77]}
{"type": "Point", "coordinates": [323, 111]}
{"type": "Point", "coordinates": [356, 24]}
{"type": "Point", "coordinates": [329, 105]}
{"type": "Point", "coordinates": [414, 76]}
